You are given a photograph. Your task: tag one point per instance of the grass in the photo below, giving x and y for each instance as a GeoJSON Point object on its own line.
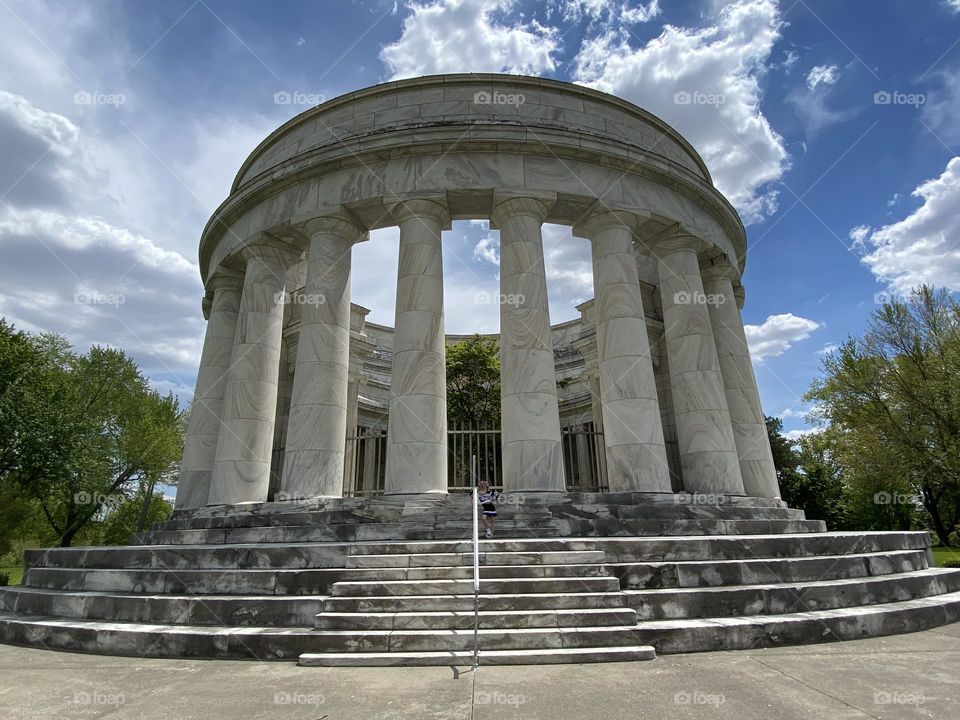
{"type": "Point", "coordinates": [942, 554]}
{"type": "Point", "coordinates": [15, 574]}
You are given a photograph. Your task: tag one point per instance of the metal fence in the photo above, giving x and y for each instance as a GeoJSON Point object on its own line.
{"type": "Point", "coordinates": [584, 460]}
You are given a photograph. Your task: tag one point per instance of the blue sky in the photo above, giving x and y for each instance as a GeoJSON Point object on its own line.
{"type": "Point", "coordinates": [833, 130]}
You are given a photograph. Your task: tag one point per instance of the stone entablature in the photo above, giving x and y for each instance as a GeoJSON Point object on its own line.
{"type": "Point", "coordinates": [666, 377]}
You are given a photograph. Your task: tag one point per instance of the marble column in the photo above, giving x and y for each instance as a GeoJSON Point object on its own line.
{"type": "Point", "coordinates": [743, 398]}
{"type": "Point", "coordinates": [632, 431]}
{"type": "Point", "coordinates": [417, 425]}
{"type": "Point", "coordinates": [200, 444]}
{"type": "Point", "coordinates": [314, 456]}
{"type": "Point", "coordinates": [241, 472]}
{"type": "Point", "coordinates": [708, 453]}
{"type": "Point", "coordinates": [530, 417]}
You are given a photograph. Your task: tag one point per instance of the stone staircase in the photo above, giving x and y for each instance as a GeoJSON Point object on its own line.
{"type": "Point", "coordinates": [631, 579]}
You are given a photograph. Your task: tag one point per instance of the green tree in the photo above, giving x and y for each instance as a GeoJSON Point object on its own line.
{"type": "Point", "coordinates": [473, 381]}
{"type": "Point", "coordinates": [87, 431]}
{"type": "Point", "coordinates": [892, 401]}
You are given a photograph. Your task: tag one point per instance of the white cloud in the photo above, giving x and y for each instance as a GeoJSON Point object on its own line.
{"type": "Point", "coordinates": [725, 58]}
{"type": "Point", "coordinates": [859, 234]}
{"type": "Point", "coordinates": [941, 105]}
{"type": "Point", "coordinates": [610, 11]}
{"type": "Point", "coordinates": [447, 36]}
{"type": "Point", "coordinates": [777, 334]}
{"type": "Point", "coordinates": [822, 75]}
{"type": "Point", "coordinates": [488, 250]}
{"type": "Point", "coordinates": [953, 5]}
{"type": "Point", "coordinates": [924, 247]}
{"type": "Point", "coordinates": [795, 435]}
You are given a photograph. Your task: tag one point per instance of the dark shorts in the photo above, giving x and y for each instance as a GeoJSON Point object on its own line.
{"type": "Point", "coordinates": [489, 510]}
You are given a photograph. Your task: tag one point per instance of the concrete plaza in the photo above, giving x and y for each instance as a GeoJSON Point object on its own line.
{"type": "Point", "coordinates": [902, 676]}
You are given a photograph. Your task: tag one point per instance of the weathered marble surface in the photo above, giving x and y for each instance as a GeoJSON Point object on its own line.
{"type": "Point", "coordinates": [200, 443]}
{"type": "Point", "coordinates": [241, 471]}
{"type": "Point", "coordinates": [743, 398]}
{"type": "Point", "coordinates": [632, 430]}
{"type": "Point", "coordinates": [314, 453]}
{"type": "Point", "coordinates": [530, 416]}
{"type": "Point", "coordinates": [708, 453]}
{"type": "Point", "coordinates": [417, 430]}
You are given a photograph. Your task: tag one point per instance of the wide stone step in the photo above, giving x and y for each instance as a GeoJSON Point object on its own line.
{"type": "Point", "coordinates": [667, 636]}
{"type": "Point", "coordinates": [278, 611]}
{"type": "Point", "coordinates": [564, 527]}
{"type": "Point", "coordinates": [278, 582]}
{"type": "Point", "coordinates": [464, 620]}
{"type": "Point", "coordinates": [334, 555]}
{"type": "Point", "coordinates": [779, 599]}
{"type": "Point", "coordinates": [542, 656]}
{"type": "Point", "coordinates": [695, 573]}
{"type": "Point", "coordinates": [487, 557]}
{"type": "Point", "coordinates": [464, 587]}
{"type": "Point", "coordinates": [464, 603]}
{"type": "Point", "coordinates": [462, 640]}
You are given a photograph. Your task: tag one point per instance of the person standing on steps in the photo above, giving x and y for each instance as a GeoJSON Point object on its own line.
{"type": "Point", "coordinates": [487, 497]}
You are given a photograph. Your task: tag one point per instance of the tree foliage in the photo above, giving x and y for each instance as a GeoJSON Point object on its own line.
{"type": "Point", "coordinates": [81, 432]}
{"type": "Point", "coordinates": [473, 381]}
{"type": "Point", "coordinates": [892, 402]}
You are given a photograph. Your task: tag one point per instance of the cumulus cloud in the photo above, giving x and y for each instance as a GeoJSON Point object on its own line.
{"type": "Point", "coordinates": [822, 75]}
{"type": "Point", "coordinates": [447, 36]}
{"type": "Point", "coordinates": [610, 11]}
{"type": "Point", "coordinates": [724, 59]}
{"type": "Point", "coordinates": [777, 334]}
{"type": "Point", "coordinates": [924, 247]}
{"type": "Point", "coordinates": [487, 249]}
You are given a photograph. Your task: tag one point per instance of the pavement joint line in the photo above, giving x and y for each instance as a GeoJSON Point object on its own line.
{"type": "Point", "coordinates": [807, 685]}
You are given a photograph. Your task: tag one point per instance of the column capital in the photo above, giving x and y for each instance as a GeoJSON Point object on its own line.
{"type": "Point", "coordinates": [434, 207]}
{"type": "Point", "coordinates": [507, 205]}
{"type": "Point", "coordinates": [225, 278]}
{"type": "Point", "coordinates": [599, 218]}
{"type": "Point", "coordinates": [271, 249]}
{"type": "Point", "coordinates": [676, 238]}
{"type": "Point", "coordinates": [719, 269]}
{"type": "Point", "coordinates": [339, 225]}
